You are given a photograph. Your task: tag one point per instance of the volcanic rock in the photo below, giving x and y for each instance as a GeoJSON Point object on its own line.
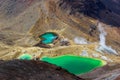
{"type": "Point", "coordinates": [33, 70]}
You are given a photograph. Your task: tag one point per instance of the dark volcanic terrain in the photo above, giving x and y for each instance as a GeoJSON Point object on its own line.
{"type": "Point", "coordinates": [33, 70]}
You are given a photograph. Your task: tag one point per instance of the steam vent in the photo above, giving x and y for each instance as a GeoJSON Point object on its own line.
{"type": "Point", "coordinates": [60, 39]}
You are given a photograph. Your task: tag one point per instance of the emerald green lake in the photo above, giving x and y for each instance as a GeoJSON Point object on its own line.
{"type": "Point", "coordinates": [48, 37]}
{"type": "Point", "coordinates": [75, 64]}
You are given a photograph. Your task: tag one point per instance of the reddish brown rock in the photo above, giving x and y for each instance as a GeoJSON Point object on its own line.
{"type": "Point", "coordinates": [118, 78]}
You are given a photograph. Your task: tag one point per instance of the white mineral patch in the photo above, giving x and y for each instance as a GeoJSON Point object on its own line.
{"type": "Point", "coordinates": [99, 49]}
{"type": "Point", "coordinates": [105, 58]}
{"type": "Point", "coordinates": [95, 55]}
{"type": "Point", "coordinates": [80, 40]}
{"type": "Point", "coordinates": [84, 53]}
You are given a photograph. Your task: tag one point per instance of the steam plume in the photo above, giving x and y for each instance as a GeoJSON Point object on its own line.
{"type": "Point", "coordinates": [102, 36]}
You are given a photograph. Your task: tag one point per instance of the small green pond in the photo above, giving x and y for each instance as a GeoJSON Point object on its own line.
{"type": "Point", "coordinates": [25, 57]}
{"type": "Point", "coordinates": [75, 64]}
{"type": "Point", "coordinates": [48, 37]}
